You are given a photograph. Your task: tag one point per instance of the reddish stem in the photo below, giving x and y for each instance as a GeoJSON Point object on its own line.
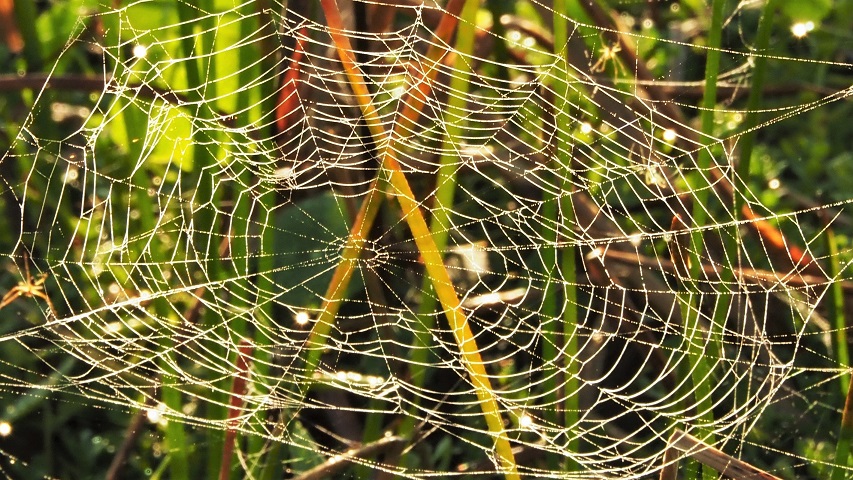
{"type": "Point", "coordinates": [288, 96]}
{"type": "Point", "coordinates": [238, 392]}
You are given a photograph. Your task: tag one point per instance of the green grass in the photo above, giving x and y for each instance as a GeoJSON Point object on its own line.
{"type": "Point", "coordinates": [838, 316]}
{"type": "Point", "coordinates": [703, 351]}
{"type": "Point", "coordinates": [561, 344]}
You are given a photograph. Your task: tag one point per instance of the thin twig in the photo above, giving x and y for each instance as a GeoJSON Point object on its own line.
{"type": "Point", "coordinates": [751, 275]}
{"type": "Point", "coordinates": [707, 455]}
{"type": "Point", "coordinates": [131, 433]}
{"type": "Point", "coordinates": [338, 463]}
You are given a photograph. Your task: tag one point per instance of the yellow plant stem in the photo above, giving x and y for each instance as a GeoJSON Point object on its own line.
{"type": "Point", "coordinates": [471, 359]}
{"type": "Point", "coordinates": [390, 169]}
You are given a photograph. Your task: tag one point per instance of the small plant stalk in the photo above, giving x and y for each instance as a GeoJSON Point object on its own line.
{"type": "Point", "coordinates": [704, 347]}
{"type": "Point", "coordinates": [391, 172]}
{"type": "Point", "coordinates": [440, 221]}
{"type": "Point", "coordinates": [238, 391]}
{"type": "Point", "coordinates": [559, 258]}
{"type": "Point", "coordinates": [837, 309]}
{"type": "Point", "coordinates": [845, 438]}
{"type": "Point", "coordinates": [204, 220]}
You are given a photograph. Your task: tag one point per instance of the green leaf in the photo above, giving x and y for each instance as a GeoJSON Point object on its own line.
{"type": "Point", "coordinates": [309, 235]}
{"type": "Point", "coordinates": [800, 11]}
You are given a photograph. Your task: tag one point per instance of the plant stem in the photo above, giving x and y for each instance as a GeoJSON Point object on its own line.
{"type": "Point", "coordinates": [440, 223]}
{"type": "Point", "coordinates": [759, 73]}
{"type": "Point", "coordinates": [175, 436]}
{"type": "Point", "coordinates": [560, 345]}
{"type": "Point", "coordinates": [836, 312]}
{"type": "Point", "coordinates": [845, 438]}
{"type": "Point", "coordinates": [390, 171]}
{"type": "Point", "coordinates": [837, 308]}
{"type": "Point", "coordinates": [204, 220]}
{"type": "Point", "coordinates": [741, 180]}
{"type": "Point", "coordinates": [704, 348]}
{"type": "Point", "coordinates": [251, 62]}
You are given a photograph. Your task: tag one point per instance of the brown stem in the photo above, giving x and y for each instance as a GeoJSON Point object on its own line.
{"type": "Point", "coordinates": [238, 392]}
{"type": "Point", "coordinates": [338, 463]}
{"type": "Point", "coordinates": [131, 433]}
{"type": "Point", "coordinates": [750, 275]}
{"type": "Point", "coordinates": [705, 454]}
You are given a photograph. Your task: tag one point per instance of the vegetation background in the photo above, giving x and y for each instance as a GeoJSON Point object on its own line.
{"type": "Point", "coordinates": [55, 425]}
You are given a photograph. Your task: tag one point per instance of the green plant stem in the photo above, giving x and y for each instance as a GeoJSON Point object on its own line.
{"type": "Point", "coordinates": [704, 347]}
{"type": "Point", "coordinates": [175, 438]}
{"type": "Point", "coordinates": [499, 8]}
{"type": "Point", "coordinates": [836, 312]}
{"type": "Point", "coordinates": [135, 125]}
{"type": "Point", "coordinates": [705, 160]}
{"type": "Point", "coordinates": [204, 220]}
{"type": "Point", "coordinates": [176, 441]}
{"type": "Point", "coordinates": [759, 73]}
{"type": "Point", "coordinates": [741, 180]}
{"type": "Point", "coordinates": [252, 60]}
{"type": "Point", "coordinates": [549, 310]}
{"type": "Point", "coordinates": [837, 308]}
{"type": "Point", "coordinates": [845, 438]}
{"type": "Point", "coordinates": [560, 345]}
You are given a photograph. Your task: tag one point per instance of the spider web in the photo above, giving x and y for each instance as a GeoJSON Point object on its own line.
{"type": "Point", "coordinates": [192, 214]}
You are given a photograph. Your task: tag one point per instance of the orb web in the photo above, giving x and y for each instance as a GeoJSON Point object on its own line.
{"type": "Point", "coordinates": [620, 278]}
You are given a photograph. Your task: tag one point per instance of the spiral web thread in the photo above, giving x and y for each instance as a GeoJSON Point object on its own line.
{"type": "Point", "coordinates": [206, 234]}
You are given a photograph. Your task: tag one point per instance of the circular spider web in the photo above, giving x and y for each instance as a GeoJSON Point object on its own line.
{"type": "Point", "coordinates": [619, 279]}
